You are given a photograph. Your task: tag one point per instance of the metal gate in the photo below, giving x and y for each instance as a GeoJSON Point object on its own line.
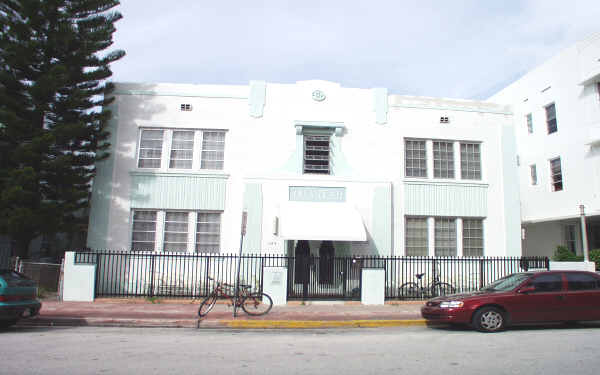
{"type": "Point", "coordinates": [312, 277]}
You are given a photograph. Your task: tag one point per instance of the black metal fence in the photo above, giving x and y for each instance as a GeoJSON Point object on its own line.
{"type": "Point", "coordinates": [127, 274]}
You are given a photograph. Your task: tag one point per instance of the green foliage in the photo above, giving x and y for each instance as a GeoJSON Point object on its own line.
{"type": "Point", "coordinates": [562, 254]}
{"type": "Point", "coordinates": [53, 100]}
{"type": "Point", "coordinates": [153, 300]}
{"type": "Point", "coordinates": [595, 257]}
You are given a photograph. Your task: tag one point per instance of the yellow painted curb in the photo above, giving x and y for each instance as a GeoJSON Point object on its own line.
{"type": "Point", "coordinates": [320, 323]}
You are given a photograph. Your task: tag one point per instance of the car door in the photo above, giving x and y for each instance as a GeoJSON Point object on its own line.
{"type": "Point", "coordinates": [543, 302]}
{"type": "Point", "coordinates": [583, 296]}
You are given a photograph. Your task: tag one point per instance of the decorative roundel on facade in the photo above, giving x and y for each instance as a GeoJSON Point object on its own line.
{"type": "Point", "coordinates": [318, 95]}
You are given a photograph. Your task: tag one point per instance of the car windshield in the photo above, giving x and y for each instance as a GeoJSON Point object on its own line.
{"type": "Point", "coordinates": [507, 283]}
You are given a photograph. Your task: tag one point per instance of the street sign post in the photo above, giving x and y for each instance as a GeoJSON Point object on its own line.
{"type": "Point", "coordinates": [239, 263]}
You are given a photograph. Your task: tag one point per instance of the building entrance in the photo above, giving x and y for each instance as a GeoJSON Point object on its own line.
{"type": "Point", "coordinates": [321, 276]}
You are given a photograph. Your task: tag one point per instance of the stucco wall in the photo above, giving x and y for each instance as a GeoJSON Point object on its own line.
{"type": "Point", "coordinates": [263, 147]}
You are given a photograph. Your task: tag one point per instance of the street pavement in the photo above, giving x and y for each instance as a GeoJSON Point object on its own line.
{"type": "Point", "coordinates": [183, 313]}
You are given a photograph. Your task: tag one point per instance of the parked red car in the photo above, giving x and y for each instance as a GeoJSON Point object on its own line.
{"type": "Point", "coordinates": [552, 296]}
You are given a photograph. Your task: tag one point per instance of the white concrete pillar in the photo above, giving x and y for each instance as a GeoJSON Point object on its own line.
{"type": "Point", "coordinates": [78, 280]}
{"type": "Point", "coordinates": [459, 237]}
{"type": "Point", "coordinates": [456, 151]}
{"type": "Point", "coordinates": [431, 235]}
{"type": "Point", "coordinates": [275, 284]}
{"type": "Point", "coordinates": [429, 153]}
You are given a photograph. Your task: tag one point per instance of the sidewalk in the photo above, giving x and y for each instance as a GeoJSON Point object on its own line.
{"type": "Point", "coordinates": [183, 313]}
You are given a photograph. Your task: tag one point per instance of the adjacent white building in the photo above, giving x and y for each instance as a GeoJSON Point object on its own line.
{"type": "Point", "coordinates": [345, 171]}
{"type": "Point", "coordinates": [557, 123]}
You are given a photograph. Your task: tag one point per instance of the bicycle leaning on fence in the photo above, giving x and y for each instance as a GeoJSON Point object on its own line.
{"type": "Point", "coordinates": [435, 289]}
{"type": "Point", "coordinates": [253, 303]}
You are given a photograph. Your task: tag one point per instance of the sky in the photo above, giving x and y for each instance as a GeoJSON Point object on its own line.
{"type": "Point", "coordinates": [453, 48]}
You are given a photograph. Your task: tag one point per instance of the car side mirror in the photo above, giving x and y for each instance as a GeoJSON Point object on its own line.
{"type": "Point", "coordinates": [527, 289]}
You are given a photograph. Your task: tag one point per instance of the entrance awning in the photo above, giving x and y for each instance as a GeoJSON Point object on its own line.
{"type": "Point", "coordinates": [320, 221]}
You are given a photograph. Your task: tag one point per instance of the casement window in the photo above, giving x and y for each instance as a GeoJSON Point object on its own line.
{"type": "Point", "coordinates": [176, 227]}
{"type": "Point", "coordinates": [415, 158]}
{"type": "Point", "coordinates": [176, 231]}
{"type": "Point", "coordinates": [443, 159]}
{"type": "Point", "coordinates": [213, 150]}
{"type": "Point", "coordinates": [144, 231]}
{"type": "Point", "coordinates": [470, 161]}
{"type": "Point", "coordinates": [533, 173]}
{"type": "Point", "coordinates": [570, 239]}
{"type": "Point", "coordinates": [416, 236]}
{"type": "Point", "coordinates": [551, 118]}
{"type": "Point", "coordinates": [317, 153]}
{"type": "Point", "coordinates": [556, 174]}
{"type": "Point", "coordinates": [445, 237]}
{"type": "Point", "coordinates": [150, 153]}
{"type": "Point", "coordinates": [181, 149]}
{"type": "Point", "coordinates": [529, 120]}
{"type": "Point", "coordinates": [208, 232]}
{"type": "Point", "coordinates": [472, 237]}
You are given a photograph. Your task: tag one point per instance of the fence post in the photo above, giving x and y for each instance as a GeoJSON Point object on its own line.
{"type": "Point", "coordinates": [153, 257]}
{"type": "Point", "coordinates": [481, 272]}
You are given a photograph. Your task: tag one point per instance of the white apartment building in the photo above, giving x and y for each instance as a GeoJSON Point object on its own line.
{"type": "Point", "coordinates": [317, 167]}
{"type": "Point", "coordinates": [557, 123]}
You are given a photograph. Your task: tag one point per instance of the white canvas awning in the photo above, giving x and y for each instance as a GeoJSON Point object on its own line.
{"type": "Point", "coordinates": [320, 221]}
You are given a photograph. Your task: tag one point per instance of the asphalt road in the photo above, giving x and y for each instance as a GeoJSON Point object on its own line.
{"type": "Point", "coordinates": [403, 350]}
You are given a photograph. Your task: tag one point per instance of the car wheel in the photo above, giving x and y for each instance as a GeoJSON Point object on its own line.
{"type": "Point", "coordinates": [489, 319]}
{"type": "Point", "coordinates": [8, 323]}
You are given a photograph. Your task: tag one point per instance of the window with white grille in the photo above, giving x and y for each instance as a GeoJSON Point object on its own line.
{"type": "Point", "coordinates": [470, 161]}
{"type": "Point", "coordinates": [556, 174]}
{"type": "Point", "coordinates": [533, 172]}
{"type": "Point", "coordinates": [182, 150]}
{"type": "Point", "coordinates": [213, 150]}
{"type": "Point", "coordinates": [182, 231]}
{"type": "Point", "coordinates": [551, 118]}
{"type": "Point", "coordinates": [472, 237]}
{"type": "Point", "coordinates": [150, 155]}
{"type": "Point", "coordinates": [176, 231]}
{"type": "Point", "coordinates": [443, 159]}
{"type": "Point", "coordinates": [143, 236]}
{"type": "Point", "coordinates": [445, 237]}
{"type": "Point", "coordinates": [208, 232]}
{"type": "Point", "coordinates": [415, 158]}
{"type": "Point", "coordinates": [189, 149]}
{"type": "Point", "coordinates": [529, 120]}
{"type": "Point", "coordinates": [416, 236]}
{"type": "Point", "coordinates": [316, 153]}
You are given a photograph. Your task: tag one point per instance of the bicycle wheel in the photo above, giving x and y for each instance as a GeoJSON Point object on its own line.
{"type": "Point", "coordinates": [441, 289]}
{"type": "Point", "coordinates": [207, 305]}
{"type": "Point", "coordinates": [409, 290]}
{"type": "Point", "coordinates": [257, 304]}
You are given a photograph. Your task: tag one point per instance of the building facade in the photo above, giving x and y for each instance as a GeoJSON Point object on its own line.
{"type": "Point", "coordinates": [557, 124]}
{"type": "Point", "coordinates": [316, 167]}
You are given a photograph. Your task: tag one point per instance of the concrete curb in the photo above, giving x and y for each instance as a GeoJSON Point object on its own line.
{"type": "Point", "coordinates": [299, 324]}
{"type": "Point", "coordinates": [213, 323]}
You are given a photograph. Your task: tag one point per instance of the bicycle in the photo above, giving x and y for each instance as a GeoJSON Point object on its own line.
{"type": "Point", "coordinates": [435, 289]}
{"type": "Point", "coordinates": [256, 303]}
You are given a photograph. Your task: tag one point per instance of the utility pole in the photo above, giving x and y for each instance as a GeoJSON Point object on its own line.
{"type": "Point", "coordinates": [586, 252]}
